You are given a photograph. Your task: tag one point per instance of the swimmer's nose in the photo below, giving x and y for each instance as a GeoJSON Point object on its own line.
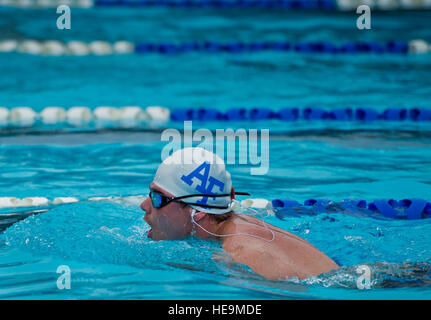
{"type": "Point", "coordinates": [146, 205]}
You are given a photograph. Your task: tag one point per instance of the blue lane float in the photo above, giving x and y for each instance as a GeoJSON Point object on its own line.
{"type": "Point", "coordinates": [327, 5]}
{"type": "Point", "coordinates": [341, 114]}
{"type": "Point", "coordinates": [307, 114]}
{"type": "Point", "coordinates": [270, 4]}
{"type": "Point", "coordinates": [282, 46]}
{"type": "Point", "coordinates": [182, 114]}
{"type": "Point", "coordinates": [366, 114]}
{"type": "Point", "coordinates": [317, 205]}
{"type": "Point", "coordinates": [395, 114]}
{"type": "Point", "coordinates": [385, 207]}
{"type": "Point", "coordinates": [314, 114]}
{"type": "Point", "coordinates": [405, 209]}
{"type": "Point", "coordinates": [261, 114]}
{"type": "Point", "coordinates": [236, 114]}
{"type": "Point", "coordinates": [420, 114]}
{"type": "Point", "coordinates": [415, 207]}
{"type": "Point", "coordinates": [209, 114]}
{"type": "Point", "coordinates": [288, 114]}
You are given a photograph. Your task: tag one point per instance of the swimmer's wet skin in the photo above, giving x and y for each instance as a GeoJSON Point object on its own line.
{"type": "Point", "coordinates": [270, 251]}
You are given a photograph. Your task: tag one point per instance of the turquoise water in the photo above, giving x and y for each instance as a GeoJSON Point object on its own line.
{"type": "Point", "coordinates": [104, 242]}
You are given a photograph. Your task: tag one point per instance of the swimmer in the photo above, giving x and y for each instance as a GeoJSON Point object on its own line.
{"type": "Point", "coordinates": [192, 194]}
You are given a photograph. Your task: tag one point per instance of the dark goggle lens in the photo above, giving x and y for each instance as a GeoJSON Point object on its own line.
{"type": "Point", "coordinates": [156, 199]}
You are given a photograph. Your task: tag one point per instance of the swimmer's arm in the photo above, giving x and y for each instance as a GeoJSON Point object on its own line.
{"type": "Point", "coordinates": [251, 253]}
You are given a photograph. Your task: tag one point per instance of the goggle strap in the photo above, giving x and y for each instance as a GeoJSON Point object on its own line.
{"type": "Point", "coordinates": [176, 199]}
{"type": "Point", "coordinates": [203, 205]}
{"type": "Point", "coordinates": [211, 195]}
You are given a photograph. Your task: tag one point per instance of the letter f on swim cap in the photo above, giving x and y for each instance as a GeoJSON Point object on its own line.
{"type": "Point", "coordinates": [196, 171]}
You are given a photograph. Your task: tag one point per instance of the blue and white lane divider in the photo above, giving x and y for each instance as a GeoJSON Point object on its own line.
{"type": "Point", "coordinates": [409, 209]}
{"type": "Point", "coordinates": [26, 116]}
{"type": "Point", "coordinates": [330, 5]}
{"type": "Point", "coordinates": [101, 48]}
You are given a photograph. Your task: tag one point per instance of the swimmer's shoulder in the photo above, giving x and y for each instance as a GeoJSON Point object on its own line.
{"type": "Point", "coordinates": [246, 223]}
{"type": "Point", "coordinates": [255, 254]}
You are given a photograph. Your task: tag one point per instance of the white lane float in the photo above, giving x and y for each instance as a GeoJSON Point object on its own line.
{"type": "Point", "coordinates": [158, 113]}
{"type": "Point", "coordinates": [23, 116]}
{"type": "Point", "coordinates": [106, 113]}
{"type": "Point", "coordinates": [77, 48]}
{"type": "Point", "coordinates": [123, 47]}
{"type": "Point", "coordinates": [53, 48]}
{"type": "Point", "coordinates": [8, 45]}
{"type": "Point", "coordinates": [100, 48]}
{"type": "Point", "coordinates": [35, 201]}
{"type": "Point", "coordinates": [30, 46]}
{"type": "Point", "coordinates": [256, 203]}
{"type": "Point", "coordinates": [78, 115]}
{"type": "Point", "coordinates": [419, 46]}
{"type": "Point", "coordinates": [52, 115]}
{"type": "Point", "coordinates": [7, 202]}
{"type": "Point", "coordinates": [4, 115]}
{"type": "Point", "coordinates": [63, 200]}
{"type": "Point", "coordinates": [12, 202]}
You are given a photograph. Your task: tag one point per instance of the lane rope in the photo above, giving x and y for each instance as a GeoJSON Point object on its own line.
{"type": "Point", "coordinates": [134, 116]}
{"type": "Point", "coordinates": [407, 208]}
{"type": "Point", "coordinates": [327, 5]}
{"type": "Point", "coordinates": [103, 48]}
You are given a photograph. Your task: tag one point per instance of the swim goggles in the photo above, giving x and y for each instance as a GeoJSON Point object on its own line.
{"type": "Point", "coordinates": [159, 200]}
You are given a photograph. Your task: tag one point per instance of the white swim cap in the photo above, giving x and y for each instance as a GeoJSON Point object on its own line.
{"type": "Point", "coordinates": [196, 171]}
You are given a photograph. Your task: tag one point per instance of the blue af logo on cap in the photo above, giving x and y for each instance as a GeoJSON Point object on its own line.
{"type": "Point", "coordinates": [204, 179]}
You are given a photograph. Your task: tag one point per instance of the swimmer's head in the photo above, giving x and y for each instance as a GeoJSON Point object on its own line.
{"type": "Point", "coordinates": [187, 180]}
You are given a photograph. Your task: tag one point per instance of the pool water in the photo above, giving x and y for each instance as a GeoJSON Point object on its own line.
{"type": "Point", "coordinates": [104, 242]}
